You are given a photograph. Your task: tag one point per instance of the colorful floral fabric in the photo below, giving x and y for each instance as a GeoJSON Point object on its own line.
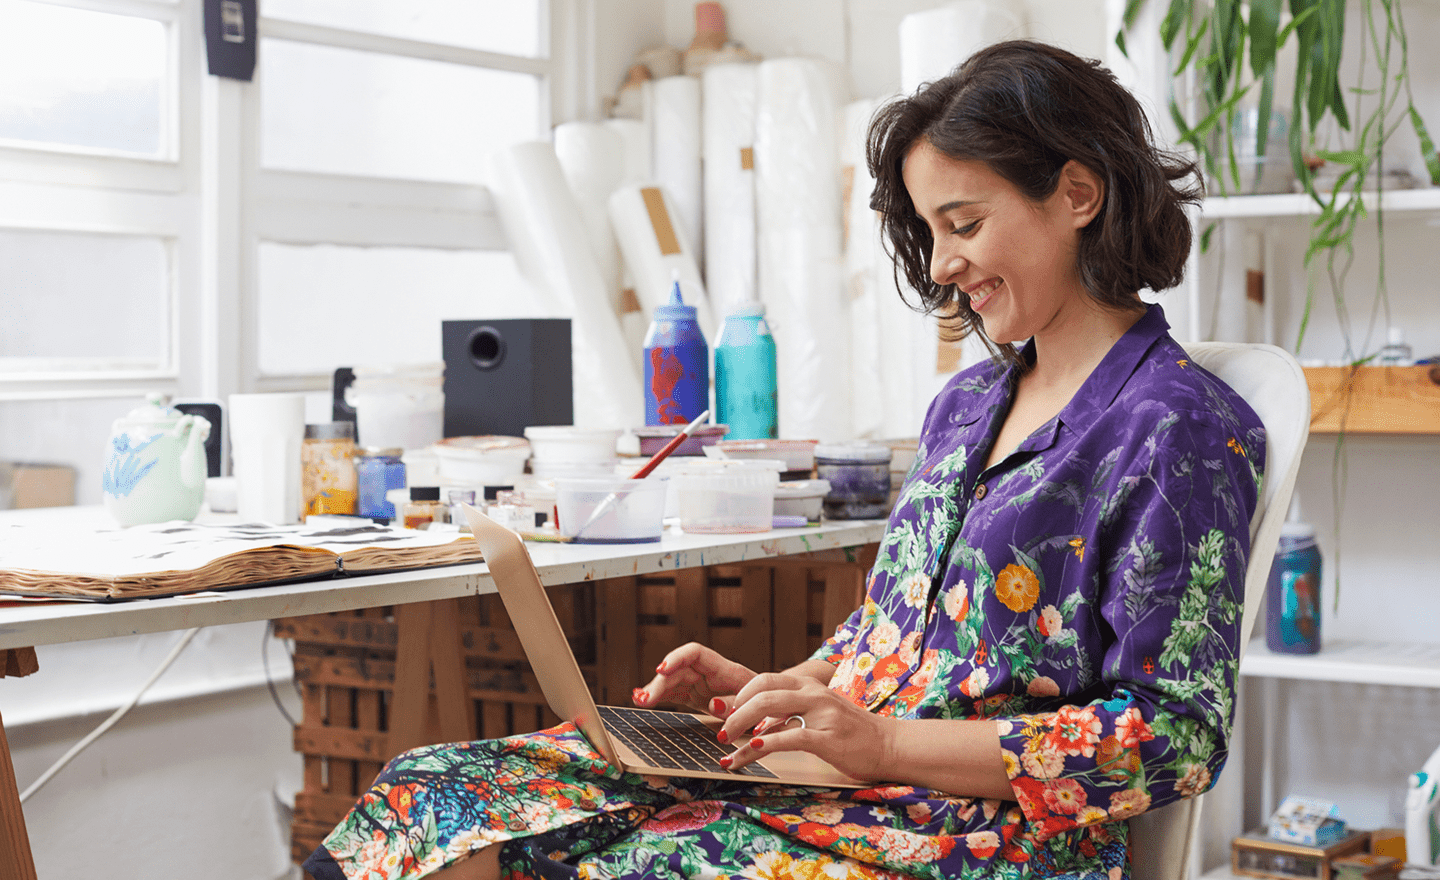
{"type": "Point", "coordinates": [1084, 593]}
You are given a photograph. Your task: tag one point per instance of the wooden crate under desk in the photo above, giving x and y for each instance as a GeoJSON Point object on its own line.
{"type": "Point", "coordinates": [1374, 400]}
{"type": "Point", "coordinates": [769, 614]}
{"type": "Point", "coordinates": [346, 667]}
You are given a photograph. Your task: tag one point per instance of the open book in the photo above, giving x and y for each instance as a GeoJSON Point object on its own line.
{"type": "Point", "coordinates": [161, 559]}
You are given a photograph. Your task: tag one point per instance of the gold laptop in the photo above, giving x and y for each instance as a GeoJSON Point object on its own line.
{"type": "Point", "coordinates": [635, 740]}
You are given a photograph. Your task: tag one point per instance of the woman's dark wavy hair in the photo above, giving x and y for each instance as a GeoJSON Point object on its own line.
{"type": "Point", "coordinates": [1025, 109]}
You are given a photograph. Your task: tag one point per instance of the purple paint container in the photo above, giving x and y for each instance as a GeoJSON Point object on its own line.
{"type": "Point", "coordinates": [859, 476]}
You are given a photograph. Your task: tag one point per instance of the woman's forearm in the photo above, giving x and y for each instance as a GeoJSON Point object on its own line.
{"type": "Point", "coordinates": [959, 757]}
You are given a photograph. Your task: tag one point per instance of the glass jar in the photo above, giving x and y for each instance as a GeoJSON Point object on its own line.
{"type": "Point", "coordinates": [328, 479]}
{"type": "Point", "coordinates": [425, 508]}
{"type": "Point", "coordinates": [377, 472]}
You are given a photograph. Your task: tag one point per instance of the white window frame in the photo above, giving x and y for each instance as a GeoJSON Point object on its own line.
{"type": "Point", "coordinates": [213, 204]}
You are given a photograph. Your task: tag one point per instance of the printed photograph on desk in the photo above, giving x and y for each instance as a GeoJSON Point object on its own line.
{"type": "Point", "coordinates": [162, 559]}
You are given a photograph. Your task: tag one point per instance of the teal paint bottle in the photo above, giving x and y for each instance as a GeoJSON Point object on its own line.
{"type": "Point", "coordinates": [745, 389]}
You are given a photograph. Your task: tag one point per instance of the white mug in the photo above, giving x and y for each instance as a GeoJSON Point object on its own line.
{"type": "Point", "coordinates": [266, 433]}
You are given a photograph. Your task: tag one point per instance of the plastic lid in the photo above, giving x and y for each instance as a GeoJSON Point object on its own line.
{"type": "Point", "coordinates": [1395, 336]}
{"type": "Point", "coordinates": [490, 493]}
{"type": "Point", "coordinates": [424, 493]}
{"type": "Point", "coordinates": [1294, 529]}
{"type": "Point", "coordinates": [330, 431]}
{"type": "Point", "coordinates": [676, 309]}
{"type": "Point", "coordinates": [853, 452]}
{"type": "Point", "coordinates": [381, 452]}
{"type": "Point", "coordinates": [748, 310]}
{"type": "Point", "coordinates": [153, 411]}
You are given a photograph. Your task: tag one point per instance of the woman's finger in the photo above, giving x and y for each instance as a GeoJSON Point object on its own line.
{"type": "Point", "coordinates": [786, 736]}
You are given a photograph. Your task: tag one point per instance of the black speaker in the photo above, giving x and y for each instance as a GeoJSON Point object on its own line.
{"type": "Point", "coordinates": [503, 376]}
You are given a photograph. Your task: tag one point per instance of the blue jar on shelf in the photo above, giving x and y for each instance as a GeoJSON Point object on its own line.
{"type": "Point", "coordinates": [377, 471]}
{"type": "Point", "coordinates": [1292, 595]}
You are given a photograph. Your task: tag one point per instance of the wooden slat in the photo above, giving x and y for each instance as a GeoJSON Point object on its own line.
{"type": "Point", "coordinates": [692, 606]}
{"type": "Point", "coordinates": [18, 662]}
{"type": "Point", "coordinates": [410, 706]}
{"type": "Point", "coordinates": [791, 604]}
{"type": "Point", "coordinates": [516, 684]}
{"type": "Point", "coordinates": [758, 621]}
{"type": "Point", "coordinates": [1374, 400]}
{"type": "Point", "coordinates": [340, 744]}
{"type": "Point", "coordinates": [321, 810]}
{"type": "Point", "coordinates": [457, 721]}
{"type": "Point", "coordinates": [844, 591]}
{"type": "Point", "coordinates": [619, 639]}
{"type": "Point", "coordinates": [337, 632]}
{"type": "Point", "coordinates": [16, 861]}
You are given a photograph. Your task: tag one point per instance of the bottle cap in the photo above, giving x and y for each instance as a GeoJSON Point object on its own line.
{"type": "Point", "coordinates": [748, 310]}
{"type": "Point", "coordinates": [676, 309]}
{"type": "Point", "coordinates": [1395, 336]}
{"type": "Point", "coordinates": [424, 493]}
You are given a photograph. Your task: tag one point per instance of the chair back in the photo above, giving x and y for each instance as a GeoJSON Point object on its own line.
{"type": "Point", "coordinates": [1271, 381]}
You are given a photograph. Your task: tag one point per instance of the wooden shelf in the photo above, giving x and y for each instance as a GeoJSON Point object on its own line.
{"type": "Point", "coordinates": [1397, 664]}
{"type": "Point", "coordinates": [1374, 400]}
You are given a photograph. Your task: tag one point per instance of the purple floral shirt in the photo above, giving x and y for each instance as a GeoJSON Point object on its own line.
{"type": "Point", "coordinates": [1085, 592]}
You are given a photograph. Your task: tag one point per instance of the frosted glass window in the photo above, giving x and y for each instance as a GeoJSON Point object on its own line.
{"type": "Point", "coordinates": [326, 306]}
{"type": "Point", "coordinates": [343, 111]}
{"type": "Point", "coordinates": [74, 301]}
{"type": "Point", "coordinates": [78, 78]}
{"type": "Point", "coordinates": [511, 27]}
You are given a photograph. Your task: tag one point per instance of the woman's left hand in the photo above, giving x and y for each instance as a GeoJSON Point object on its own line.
{"type": "Point", "coordinates": [854, 741]}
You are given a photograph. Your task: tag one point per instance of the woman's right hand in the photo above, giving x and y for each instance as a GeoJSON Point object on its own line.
{"type": "Point", "coordinates": [696, 677]}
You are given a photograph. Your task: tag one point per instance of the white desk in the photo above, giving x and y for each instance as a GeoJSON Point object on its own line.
{"type": "Point", "coordinates": [27, 626]}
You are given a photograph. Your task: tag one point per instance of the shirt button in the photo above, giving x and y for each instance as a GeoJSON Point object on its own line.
{"type": "Point", "coordinates": [980, 491]}
{"type": "Point", "coordinates": [586, 803]}
{"type": "Point", "coordinates": [518, 825]}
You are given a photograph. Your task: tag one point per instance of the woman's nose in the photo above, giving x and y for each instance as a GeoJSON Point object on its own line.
{"type": "Point", "coordinates": [945, 264]}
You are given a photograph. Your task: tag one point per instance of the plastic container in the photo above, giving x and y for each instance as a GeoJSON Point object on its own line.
{"type": "Point", "coordinates": [568, 445]}
{"type": "Point", "coordinates": [637, 514]}
{"type": "Point", "coordinates": [483, 460]}
{"type": "Point", "coordinates": [1292, 595]}
{"type": "Point", "coordinates": [398, 405]}
{"type": "Point", "coordinates": [798, 455]}
{"type": "Point", "coordinates": [859, 476]}
{"type": "Point", "coordinates": [801, 498]}
{"type": "Point", "coordinates": [745, 396]}
{"type": "Point", "coordinates": [654, 437]}
{"type": "Point", "coordinates": [726, 497]}
{"type": "Point", "coordinates": [677, 364]}
{"type": "Point", "coordinates": [377, 472]}
{"type": "Point", "coordinates": [1422, 814]}
{"type": "Point", "coordinates": [558, 470]}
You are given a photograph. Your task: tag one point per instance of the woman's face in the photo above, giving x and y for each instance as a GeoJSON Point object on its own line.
{"type": "Point", "coordinates": [1014, 259]}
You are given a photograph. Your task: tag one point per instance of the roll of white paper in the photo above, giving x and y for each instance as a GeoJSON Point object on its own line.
{"type": "Point", "coordinates": [729, 168]}
{"type": "Point", "coordinates": [592, 156]}
{"type": "Point", "coordinates": [799, 262]}
{"type": "Point", "coordinates": [544, 224]}
{"type": "Point", "coordinates": [656, 250]}
{"type": "Point", "coordinates": [869, 369]}
{"type": "Point", "coordinates": [675, 152]}
{"type": "Point", "coordinates": [635, 135]}
{"type": "Point", "coordinates": [934, 42]}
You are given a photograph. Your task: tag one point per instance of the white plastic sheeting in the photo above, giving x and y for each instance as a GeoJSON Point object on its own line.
{"type": "Point", "coordinates": [656, 251]}
{"type": "Point", "coordinates": [729, 174]}
{"type": "Point", "coordinates": [674, 112]}
{"type": "Point", "coordinates": [635, 135]}
{"type": "Point", "coordinates": [935, 41]}
{"type": "Point", "coordinates": [544, 224]}
{"type": "Point", "coordinates": [800, 268]}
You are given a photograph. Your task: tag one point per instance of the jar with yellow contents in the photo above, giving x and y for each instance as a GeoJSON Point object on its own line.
{"type": "Point", "coordinates": [328, 483]}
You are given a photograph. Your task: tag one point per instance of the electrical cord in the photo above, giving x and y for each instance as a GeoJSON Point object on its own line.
{"type": "Point", "coordinates": [270, 683]}
{"type": "Point", "coordinates": [109, 722]}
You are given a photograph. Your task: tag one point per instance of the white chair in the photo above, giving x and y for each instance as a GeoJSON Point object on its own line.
{"type": "Point", "coordinates": [1271, 381]}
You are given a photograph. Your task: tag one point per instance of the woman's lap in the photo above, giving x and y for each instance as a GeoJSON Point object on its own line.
{"type": "Point", "coordinates": [560, 811]}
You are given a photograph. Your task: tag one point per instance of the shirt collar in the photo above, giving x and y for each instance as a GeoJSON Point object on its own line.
{"type": "Point", "coordinates": [1109, 378]}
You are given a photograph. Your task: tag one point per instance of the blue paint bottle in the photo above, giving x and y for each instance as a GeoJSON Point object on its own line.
{"type": "Point", "coordinates": [1292, 596]}
{"type": "Point", "coordinates": [677, 364]}
{"type": "Point", "coordinates": [745, 375]}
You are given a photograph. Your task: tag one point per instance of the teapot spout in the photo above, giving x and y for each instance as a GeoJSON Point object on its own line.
{"type": "Point", "coordinates": [193, 468]}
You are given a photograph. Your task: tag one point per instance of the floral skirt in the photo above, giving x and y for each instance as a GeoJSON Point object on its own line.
{"type": "Point", "coordinates": [559, 810]}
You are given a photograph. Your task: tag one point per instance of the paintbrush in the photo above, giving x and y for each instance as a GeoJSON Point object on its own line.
{"type": "Point", "coordinates": [609, 500]}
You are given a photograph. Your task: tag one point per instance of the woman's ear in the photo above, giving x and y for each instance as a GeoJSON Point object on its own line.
{"type": "Point", "coordinates": [1084, 192]}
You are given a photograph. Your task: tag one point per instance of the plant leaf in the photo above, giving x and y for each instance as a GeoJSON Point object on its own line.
{"type": "Point", "coordinates": [1264, 30]}
{"type": "Point", "coordinates": [1427, 146]}
{"type": "Point", "coordinates": [1175, 17]}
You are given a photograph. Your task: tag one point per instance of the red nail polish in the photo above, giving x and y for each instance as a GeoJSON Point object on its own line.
{"type": "Point", "coordinates": [722, 736]}
{"type": "Point", "coordinates": [757, 743]}
{"type": "Point", "coordinates": [661, 668]}
{"type": "Point", "coordinates": [726, 762]}
{"type": "Point", "coordinates": [637, 695]}
{"type": "Point", "coordinates": [717, 707]}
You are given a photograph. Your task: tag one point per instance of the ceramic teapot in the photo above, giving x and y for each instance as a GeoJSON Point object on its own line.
{"type": "Point", "coordinates": [155, 468]}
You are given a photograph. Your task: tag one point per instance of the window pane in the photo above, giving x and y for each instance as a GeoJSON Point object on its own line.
{"type": "Point", "coordinates": [77, 78]}
{"type": "Point", "coordinates": [325, 306]}
{"type": "Point", "coordinates": [75, 301]}
{"type": "Point", "coordinates": [508, 26]}
{"type": "Point", "coordinates": [346, 112]}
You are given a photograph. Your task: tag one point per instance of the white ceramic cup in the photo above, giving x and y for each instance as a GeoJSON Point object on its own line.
{"type": "Point", "coordinates": [266, 433]}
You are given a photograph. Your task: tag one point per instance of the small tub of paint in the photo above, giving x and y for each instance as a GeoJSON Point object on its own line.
{"type": "Point", "coordinates": [801, 498]}
{"type": "Point", "coordinates": [636, 515]}
{"type": "Point", "coordinates": [859, 477]}
{"type": "Point", "coordinates": [570, 445]}
{"type": "Point", "coordinates": [798, 455]}
{"type": "Point", "coordinates": [654, 437]}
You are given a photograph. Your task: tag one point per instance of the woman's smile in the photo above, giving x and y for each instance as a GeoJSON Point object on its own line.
{"type": "Point", "coordinates": [983, 292]}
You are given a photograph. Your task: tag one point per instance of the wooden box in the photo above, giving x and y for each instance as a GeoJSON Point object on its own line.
{"type": "Point", "coordinates": [1256, 854]}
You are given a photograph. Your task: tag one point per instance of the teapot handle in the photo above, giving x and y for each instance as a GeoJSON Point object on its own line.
{"type": "Point", "coordinates": [193, 467]}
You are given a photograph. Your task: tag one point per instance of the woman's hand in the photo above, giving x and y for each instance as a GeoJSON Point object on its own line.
{"type": "Point", "coordinates": [696, 677]}
{"type": "Point", "coordinates": [854, 741]}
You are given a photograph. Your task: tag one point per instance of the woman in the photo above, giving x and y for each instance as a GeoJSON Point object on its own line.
{"type": "Point", "coordinates": [1048, 640]}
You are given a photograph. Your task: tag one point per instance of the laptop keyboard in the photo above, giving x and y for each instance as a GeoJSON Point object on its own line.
{"type": "Point", "coordinates": [671, 739]}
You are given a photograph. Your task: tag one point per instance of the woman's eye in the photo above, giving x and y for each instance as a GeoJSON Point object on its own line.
{"type": "Point", "coordinates": [966, 229]}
